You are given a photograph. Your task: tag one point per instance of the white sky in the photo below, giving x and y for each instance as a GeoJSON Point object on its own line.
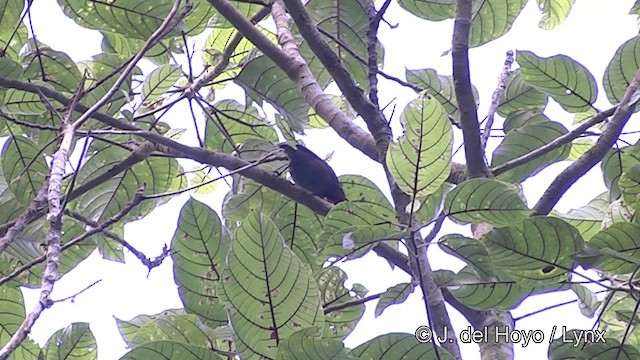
{"type": "Point", "coordinates": [590, 35]}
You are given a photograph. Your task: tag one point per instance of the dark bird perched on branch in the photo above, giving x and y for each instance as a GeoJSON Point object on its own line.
{"type": "Point", "coordinates": [313, 173]}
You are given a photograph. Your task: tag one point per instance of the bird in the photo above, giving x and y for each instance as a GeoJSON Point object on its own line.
{"type": "Point", "coordinates": [313, 173]}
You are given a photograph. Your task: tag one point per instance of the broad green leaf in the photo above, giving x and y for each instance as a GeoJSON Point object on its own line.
{"type": "Point", "coordinates": [564, 79]}
{"type": "Point", "coordinates": [159, 81]}
{"type": "Point", "coordinates": [231, 121]}
{"type": "Point", "coordinates": [10, 207]}
{"type": "Point", "coordinates": [18, 102]}
{"type": "Point", "coordinates": [619, 237]}
{"type": "Point", "coordinates": [53, 67]}
{"type": "Point", "coordinates": [396, 294]}
{"type": "Point", "coordinates": [521, 141]}
{"type": "Point", "coordinates": [621, 70]}
{"type": "Point", "coordinates": [10, 11]}
{"type": "Point", "coordinates": [345, 22]}
{"type": "Point", "coordinates": [440, 87]}
{"type": "Point", "coordinates": [421, 160]}
{"type": "Point", "coordinates": [519, 118]}
{"type": "Point", "coordinates": [434, 10]}
{"type": "Point", "coordinates": [169, 350]}
{"type": "Point", "coordinates": [366, 218]}
{"type": "Point", "coordinates": [264, 80]}
{"type": "Point", "coordinates": [74, 341]}
{"type": "Point", "coordinates": [629, 183]}
{"type": "Point", "coordinates": [8, 68]}
{"type": "Point", "coordinates": [518, 96]}
{"type": "Point", "coordinates": [579, 147]}
{"type": "Point", "coordinates": [24, 168]}
{"type": "Point", "coordinates": [501, 293]}
{"type": "Point", "coordinates": [308, 344]}
{"type": "Point", "coordinates": [106, 199]}
{"type": "Point", "coordinates": [587, 300]}
{"type": "Point", "coordinates": [173, 325]}
{"type": "Point", "coordinates": [492, 18]}
{"type": "Point", "coordinates": [554, 12]}
{"type": "Point", "coordinates": [615, 163]}
{"type": "Point", "coordinates": [338, 322]}
{"type": "Point", "coordinates": [11, 316]}
{"type": "Point", "coordinates": [11, 42]}
{"type": "Point", "coordinates": [134, 18]}
{"type": "Point", "coordinates": [270, 294]}
{"type": "Point", "coordinates": [395, 346]}
{"type": "Point", "coordinates": [472, 251]}
{"type": "Point", "coordinates": [538, 250]}
{"type": "Point", "coordinates": [101, 66]}
{"type": "Point", "coordinates": [485, 200]}
{"type": "Point", "coordinates": [200, 245]}
{"type": "Point", "coordinates": [13, 312]}
{"type": "Point", "coordinates": [29, 246]}
{"type": "Point", "coordinates": [587, 219]}
{"type": "Point", "coordinates": [127, 47]}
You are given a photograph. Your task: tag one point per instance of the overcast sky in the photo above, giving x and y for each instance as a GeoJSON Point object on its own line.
{"type": "Point", "coordinates": [591, 35]}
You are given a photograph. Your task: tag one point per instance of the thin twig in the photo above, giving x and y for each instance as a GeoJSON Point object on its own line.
{"type": "Point", "coordinates": [495, 99]}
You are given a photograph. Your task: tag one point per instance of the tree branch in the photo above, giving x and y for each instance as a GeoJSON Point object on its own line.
{"type": "Point", "coordinates": [474, 155]}
{"type": "Point", "coordinates": [368, 111]}
{"type": "Point", "coordinates": [556, 143]}
{"type": "Point", "coordinates": [584, 163]}
{"type": "Point", "coordinates": [304, 79]}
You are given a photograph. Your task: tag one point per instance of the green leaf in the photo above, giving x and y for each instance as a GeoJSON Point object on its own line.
{"type": "Point", "coordinates": [136, 19]}
{"type": "Point", "coordinates": [308, 344]}
{"type": "Point", "coordinates": [472, 251]}
{"type": "Point", "coordinates": [75, 341]}
{"type": "Point", "coordinates": [554, 12]}
{"type": "Point", "coordinates": [396, 294]}
{"type": "Point", "coordinates": [156, 174]}
{"type": "Point", "coordinates": [567, 81]}
{"type": "Point", "coordinates": [501, 293]}
{"type": "Point", "coordinates": [8, 68]}
{"type": "Point", "coordinates": [200, 244]}
{"type": "Point", "coordinates": [18, 102]}
{"type": "Point", "coordinates": [173, 325]}
{"type": "Point", "coordinates": [10, 11]}
{"type": "Point", "coordinates": [169, 350]}
{"type": "Point", "coordinates": [262, 79]}
{"type": "Point", "coordinates": [522, 141]}
{"type": "Point", "coordinates": [232, 121]}
{"type": "Point", "coordinates": [579, 147]}
{"type": "Point", "coordinates": [485, 200]}
{"type": "Point", "coordinates": [518, 96]}
{"type": "Point", "coordinates": [492, 18]}
{"type": "Point", "coordinates": [519, 118]}
{"type": "Point", "coordinates": [345, 22]}
{"type": "Point", "coordinates": [587, 300]}
{"type": "Point", "coordinates": [269, 292]}
{"type": "Point", "coordinates": [421, 161]}
{"type": "Point", "coordinates": [159, 81]}
{"type": "Point", "coordinates": [629, 183]}
{"type": "Point", "coordinates": [53, 67]}
{"type": "Point", "coordinates": [623, 238]}
{"type": "Point", "coordinates": [537, 250]}
{"type": "Point", "coordinates": [440, 87]}
{"type": "Point", "coordinates": [395, 346]}
{"type": "Point", "coordinates": [24, 168]}
{"type": "Point", "coordinates": [366, 218]}
{"type": "Point", "coordinates": [434, 10]}
{"type": "Point", "coordinates": [339, 322]}
{"type": "Point", "coordinates": [621, 70]}
{"type": "Point", "coordinates": [102, 66]}
{"type": "Point", "coordinates": [587, 219]}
